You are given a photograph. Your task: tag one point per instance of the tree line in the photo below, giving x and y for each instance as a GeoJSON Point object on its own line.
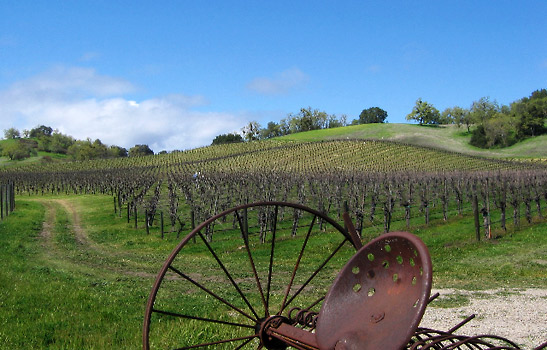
{"type": "Point", "coordinates": [307, 119]}
{"type": "Point", "coordinates": [490, 124]}
{"type": "Point", "coordinates": [45, 139]}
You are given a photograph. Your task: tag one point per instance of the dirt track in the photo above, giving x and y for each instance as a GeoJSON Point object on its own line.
{"type": "Point", "coordinates": [517, 314]}
{"type": "Point", "coordinates": [119, 262]}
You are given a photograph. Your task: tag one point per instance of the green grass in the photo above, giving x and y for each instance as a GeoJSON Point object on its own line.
{"type": "Point", "coordinates": [446, 137]}
{"type": "Point", "coordinates": [51, 299]}
{"type": "Point", "coordinates": [38, 158]}
{"type": "Point", "coordinates": [66, 293]}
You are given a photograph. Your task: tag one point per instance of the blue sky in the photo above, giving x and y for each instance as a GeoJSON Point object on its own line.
{"type": "Point", "coordinates": [174, 74]}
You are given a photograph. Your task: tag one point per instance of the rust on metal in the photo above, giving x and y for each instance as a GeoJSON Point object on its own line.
{"type": "Point", "coordinates": [379, 297]}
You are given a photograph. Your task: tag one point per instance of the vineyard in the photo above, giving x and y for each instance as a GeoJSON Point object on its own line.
{"type": "Point", "coordinates": [378, 181]}
{"type": "Point", "coordinates": [80, 264]}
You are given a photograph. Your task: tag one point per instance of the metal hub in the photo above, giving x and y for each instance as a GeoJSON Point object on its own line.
{"type": "Point", "coordinates": [266, 338]}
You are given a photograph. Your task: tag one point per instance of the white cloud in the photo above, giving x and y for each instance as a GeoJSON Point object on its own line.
{"type": "Point", "coordinates": [81, 103]}
{"type": "Point", "coordinates": [280, 84]}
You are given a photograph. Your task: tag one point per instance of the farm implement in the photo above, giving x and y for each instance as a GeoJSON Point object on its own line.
{"type": "Point", "coordinates": [275, 275]}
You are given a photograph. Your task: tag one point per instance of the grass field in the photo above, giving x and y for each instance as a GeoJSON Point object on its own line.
{"type": "Point", "coordinates": [446, 137]}
{"type": "Point", "coordinates": [75, 275]}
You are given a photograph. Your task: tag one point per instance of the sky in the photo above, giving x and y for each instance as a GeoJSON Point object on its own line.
{"type": "Point", "coordinates": [175, 74]}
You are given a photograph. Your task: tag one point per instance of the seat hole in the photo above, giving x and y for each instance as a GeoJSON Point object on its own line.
{"type": "Point", "coordinates": [412, 263]}
{"type": "Point", "coordinates": [356, 287]}
{"type": "Point", "coordinates": [387, 248]}
{"type": "Point", "coordinates": [414, 280]}
{"type": "Point", "coordinates": [370, 274]}
{"type": "Point", "coordinates": [355, 270]}
{"type": "Point", "coordinates": [371, 292]}
{"type": "Point", "coordinates": [395, 277]}
{"type": "Point", "coordinates": [385, 264]}
{"type": "Point", "coordinates": [399, 259]}
{"type": "Point", "coordinates": [370, 257]}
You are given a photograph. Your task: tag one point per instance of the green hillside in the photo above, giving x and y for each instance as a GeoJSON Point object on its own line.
{"type": "Point", "coordinates": [446, 137]}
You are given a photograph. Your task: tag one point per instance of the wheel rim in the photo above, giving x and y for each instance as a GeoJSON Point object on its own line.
{"type": "Point", "coordinates": [254, 263]}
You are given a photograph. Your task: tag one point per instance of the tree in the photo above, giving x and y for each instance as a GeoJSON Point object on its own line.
{"type": "Point", "coordinates": [531, 114]}
{"type": "Point", "coordinates": [271, 130]}
{"type": "Point", "coordinates": [306, 120]}
{"type": "Point", "coordinates": [372, 115]}
{"type": "Point", "coordinates": [86, 150]}
{"type": "Point", "coordinates": [16, 151]}
{"type": "Point", "coordinates": [117, 152]}
{"type": "Point", "coordinates": [424, 113]}
{"type": "Point", "coordinates": [227, 138]}
{"type": "Point", "coordinates": [11, 133]}
{"type": "Point", "coordinates": [41, 130]}
{"type": "Point", "coordinates": [140, 150]}
{"type": "Point", "coordinates": [251, 131]}
{"type": "Point", "coordinates": [59, 143]}
{"type": "Point", "coordinates": [483, 109]}
{"type": "Point", "coordinates": [456, 115]}
{"type": "Point", "coordinates": [495, 126]}
{"type": "Point", "coordinates": [500, 131]}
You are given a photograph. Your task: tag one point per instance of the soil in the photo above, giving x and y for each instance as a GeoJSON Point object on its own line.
{"type": "Point", "coordinates": [519, 315]}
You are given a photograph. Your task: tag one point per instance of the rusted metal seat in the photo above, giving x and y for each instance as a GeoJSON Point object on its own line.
{"type": "Point", "coordinates": [379, 297]}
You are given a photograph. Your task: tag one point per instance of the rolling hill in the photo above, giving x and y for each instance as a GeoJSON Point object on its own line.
{"type": "Point", "coordinates": [443, 138]}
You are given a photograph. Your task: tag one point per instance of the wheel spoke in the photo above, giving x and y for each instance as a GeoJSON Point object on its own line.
{"type": "Point", "coordinates": [227, 274]}
{"type": "Point", "coordinates": [283, 305]}
{"type": "Point", "coordinates": [214, 295]}
{"type": "Point", "coordinates": [202, 345]}
{"type": "Point", "coordinates": [270, 268]}
{"type": "Point", "coordinates": [244, 227]}
{"type": "Point", "coordinates": [176, 314]}
{"type": "Point", "coordinates": [315, 273]}
{"type": "Point", "coordinates": [245, 343]}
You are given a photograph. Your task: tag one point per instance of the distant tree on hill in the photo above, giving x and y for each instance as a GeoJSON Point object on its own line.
{"type": "Point", "coordinates": [251, 131]}
{"type": "Point", "coordinates": [17, 151]}
{"type": "Point", "coordinates": [59, 143]}
{"type": "Point", "coordinates": [272, 130]}
{"type": "Point", "coordinates": [41, 130]}
{"type": "Point", "coordinates": [371, 115]}
{"type": "Point", "coordinates": [86, 150]}
{"type": "Point", "coordinates": [117, 152]}
{"type": "Point", "coordinates": [494, 126]}
{"type": "Point", "coordinates": [456, 115]}
{"type": "Point", "coordinates": [532, 114]}
{"type": "Point", "coordinates": [11, 133]}
{"type": "Point", "coordinates": [424, 113]}
{"type": "Point", "coordinates": [227, 138]}
{"type": "Point", "coordinates": [140, 150]}
{"type": "Point", "coordinates": [483, 109]}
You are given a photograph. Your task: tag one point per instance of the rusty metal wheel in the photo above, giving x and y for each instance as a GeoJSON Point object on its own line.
{"type": "Point", "coordinates": [243, 271]}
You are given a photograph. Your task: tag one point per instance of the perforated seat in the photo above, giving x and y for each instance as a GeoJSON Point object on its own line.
{"type": "Point", "coordinates": [379, 297]}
